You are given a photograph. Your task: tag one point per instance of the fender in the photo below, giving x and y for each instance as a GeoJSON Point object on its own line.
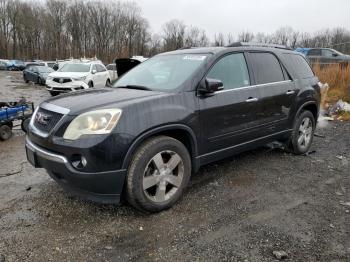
{"type": "Point", "coordinates": [139, 140]}
{"type": "Point", "coordinates": [306, 104]}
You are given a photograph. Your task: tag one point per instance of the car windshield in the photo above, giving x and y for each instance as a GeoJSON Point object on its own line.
{"type": "Point", "coordinates": [44, 69]}
{"type": "Point", "coordinates": [336, 51]}
{"type": "Point", "coordinates": [75, 68]}
{"type": "Point", "coordinates": [163, 72]}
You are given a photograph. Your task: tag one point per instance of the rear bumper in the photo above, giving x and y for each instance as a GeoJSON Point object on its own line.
{"type": "Point", "coordinates": [102, 187]}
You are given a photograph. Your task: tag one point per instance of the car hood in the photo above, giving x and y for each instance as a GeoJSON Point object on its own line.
{"type": "Point", "coordinates": [85, 100]}
{"type": "Point", "coordinates": [347, 57]}
{"type": "Point", "coordinates": [44, 74]}
{"type": "Point", "coordinates": [68, 74]}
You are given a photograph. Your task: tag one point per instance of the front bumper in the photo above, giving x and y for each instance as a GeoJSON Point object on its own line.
{"type": "Point", "coordinates": [65, 87]}
{"type": "Point", "coordinates": [102, 187]}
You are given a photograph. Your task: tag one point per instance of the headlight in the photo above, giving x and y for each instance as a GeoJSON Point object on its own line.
{"type": "Point", "coordinates": [79, 78]}
{"type": "Point", "coordinates": [93, 123]}
{"type": "Point", "coordinates": [50, 78]}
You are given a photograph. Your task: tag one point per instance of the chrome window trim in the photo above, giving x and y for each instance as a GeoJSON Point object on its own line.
{"type": "Point", "coordinates": [245, 87]}
{"type": "Point", "coordinates": [55, 108]}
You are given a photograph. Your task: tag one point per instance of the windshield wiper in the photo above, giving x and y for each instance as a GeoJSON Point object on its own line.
{"type": "Point", "coordinates": [136, 87]}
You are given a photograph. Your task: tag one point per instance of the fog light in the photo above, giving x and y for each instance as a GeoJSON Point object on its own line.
{"type": "Point", "coordinates": [79, 161]}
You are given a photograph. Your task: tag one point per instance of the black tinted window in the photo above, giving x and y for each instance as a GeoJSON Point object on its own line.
{"type": "Point", "coordinates": [232, 71]}
{"type": "Point", "coordinates": [299, 65]}
{"type": "Point", "coordinates": [267, 68]}
{"type": "Point", "coordinates": [314, 52]}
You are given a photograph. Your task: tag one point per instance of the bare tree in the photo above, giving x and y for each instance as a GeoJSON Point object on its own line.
{"type": "Point", "coordinates": [173, 35]}
{"type": "Point", "coordinates": [219, 40]}
{"type": "Point", "coordinates": [245, 36]}
{"type": "Point", "coordinates": [50, 29]}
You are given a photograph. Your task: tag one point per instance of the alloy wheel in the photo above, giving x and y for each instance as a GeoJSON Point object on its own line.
{"type": "Point", "coordinates": [305, 133]}
{"type": "Point", "coordinates": [163, 176]}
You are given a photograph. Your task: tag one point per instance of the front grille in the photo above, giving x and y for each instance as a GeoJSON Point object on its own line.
{"type": "Point", "coordinates": [62, 80]}
{"type": "Point", "coordinates": [63, 89]}
{"type": "Point", "coordinates": [46, 120]}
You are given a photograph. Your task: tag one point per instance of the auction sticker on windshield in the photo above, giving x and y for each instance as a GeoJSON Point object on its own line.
{"type": "Point", "coordinates": [194, 57]}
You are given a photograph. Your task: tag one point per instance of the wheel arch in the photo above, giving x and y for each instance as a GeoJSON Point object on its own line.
{"type": "Point", "coordinates": [182, 133]}
{"type": "Point", "coordinates": [310, 106]}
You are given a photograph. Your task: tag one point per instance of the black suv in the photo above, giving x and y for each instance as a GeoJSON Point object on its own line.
{"type": "Point", "coordinates": [170, 115]}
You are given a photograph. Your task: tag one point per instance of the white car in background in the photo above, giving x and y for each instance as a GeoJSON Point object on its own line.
{"type": "Point", "coordinates": [74, 76]}
{"type": "Point", "coordinates": [112, 69]}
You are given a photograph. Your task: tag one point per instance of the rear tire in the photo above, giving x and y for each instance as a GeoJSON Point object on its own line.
{"type": "Point", "coordinates": [91, 84]}
{"type": "Point", "coordinates": [303, 132]}
{"type": "Point", "coordinates": [108, 83]}
{"type": "Point", "coordinates": [158, 174]}
{"type": "Point", "coordinates": [5, 132]}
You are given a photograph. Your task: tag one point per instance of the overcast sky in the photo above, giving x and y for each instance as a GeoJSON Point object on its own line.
{"type": "Point", "coordinates": [233, 16]}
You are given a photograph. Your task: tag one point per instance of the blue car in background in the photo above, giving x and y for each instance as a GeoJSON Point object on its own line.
{"type": "Point", "coordinates": [15, 65]}
{"type": "Point", "coordinates": [324, 56]}
{"type": "Point", "coordinates": [302, 50]}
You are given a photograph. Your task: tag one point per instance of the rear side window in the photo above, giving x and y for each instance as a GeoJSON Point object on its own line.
{"type": "Point", "coordinates": [327, 53]}
{"type": "Point", "coordinates": [231, 70]}
{"type": "Point", "coordinates": [314, 52]}
{"type": "Point", "coordinates": [299, 65]}
{"type": "Point", "coordinates": [100, 68]}
{"type": "Point", "coordinates": [267, 68]}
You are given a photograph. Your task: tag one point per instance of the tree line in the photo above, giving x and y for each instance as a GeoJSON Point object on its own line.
{"type": "Point", "coordinates": [57, 29]}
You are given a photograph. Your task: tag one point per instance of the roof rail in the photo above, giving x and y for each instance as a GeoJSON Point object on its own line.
{"type": "Point", "coordinates": [238, 44]}
{"type": "Point", "coordinates": [185, 47]}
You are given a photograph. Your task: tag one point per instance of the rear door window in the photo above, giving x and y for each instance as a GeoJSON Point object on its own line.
{"type": "Point", "coordinates": [267, 68]}
{"type": "Point", "coordinates": [299, 65]}
{"type": "Point", "coordinates": [327, 53]}
{"type": "Point", "coordinates": [314, 52]}
{"type": "Point", "coordinates": [231, 70]}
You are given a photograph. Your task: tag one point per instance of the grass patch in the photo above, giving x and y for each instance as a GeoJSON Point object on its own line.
{"type": "Point", "coordinates": [338, 78]}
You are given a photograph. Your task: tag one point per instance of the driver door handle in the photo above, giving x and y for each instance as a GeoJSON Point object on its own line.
{"type": "Point", "coordinates": [290, 92]}
{"type": "Point", "coordinates": [251, 99]}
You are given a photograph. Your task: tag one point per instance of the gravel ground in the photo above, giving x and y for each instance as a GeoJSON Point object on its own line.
{"type": "Point", "coordinates": [239, 209]}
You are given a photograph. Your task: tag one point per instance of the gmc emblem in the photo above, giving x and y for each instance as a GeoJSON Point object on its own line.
{"type": "Point", "coordinates": [42, 118]}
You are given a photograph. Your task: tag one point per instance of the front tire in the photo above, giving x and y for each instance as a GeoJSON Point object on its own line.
{"type": "Point", "coordinates": [54, 93]}
{"type": "Point", "coordinates": [303, 132]}
{"type": "Point", "coordinates": [25, 124]}
{"type": "Point", "coordinates": [158, 174]}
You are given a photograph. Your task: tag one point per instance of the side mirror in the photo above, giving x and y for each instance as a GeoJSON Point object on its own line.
{"type": "Point", "coordinates": [334, 54]}
{"type": "Point", "coordinates": [94, 71]}
{"type": "Point", "coordinates": [211, 85]}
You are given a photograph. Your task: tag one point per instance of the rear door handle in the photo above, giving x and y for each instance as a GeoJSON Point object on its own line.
{"type": "Point", "coordinates": [251, 99]}
{"type": "Point", "coordinates": [290, 92]}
